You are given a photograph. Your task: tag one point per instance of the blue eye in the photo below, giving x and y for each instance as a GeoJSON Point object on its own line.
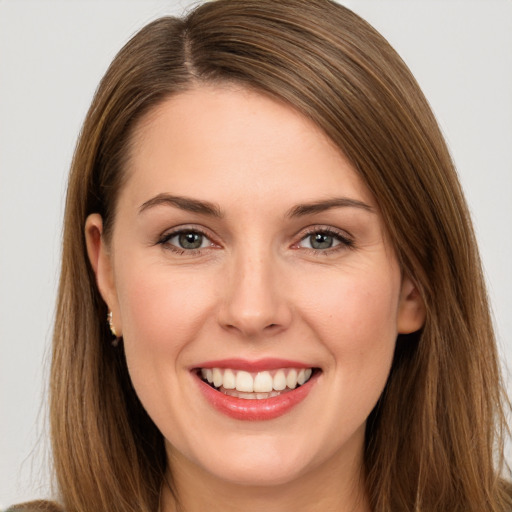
{"type": "Point", "coordinates": [186, 240]}
{"type": "Point", "coordinates": [323, 240]}
{"type": "Point", "coordinates": [190, 240]}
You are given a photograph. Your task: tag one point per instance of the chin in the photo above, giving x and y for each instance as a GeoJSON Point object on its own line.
{"type": "Point", "coordinates": [260, 464]}
{"type": "Point", "coordinates": [266, 472]}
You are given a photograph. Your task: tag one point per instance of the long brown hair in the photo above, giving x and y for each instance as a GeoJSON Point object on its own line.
{"type": "Point", "coordinates": [434, 440]}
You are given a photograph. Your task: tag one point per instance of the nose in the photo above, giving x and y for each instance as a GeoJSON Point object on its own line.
{"type": "Point", "coordinates": [253, 303]}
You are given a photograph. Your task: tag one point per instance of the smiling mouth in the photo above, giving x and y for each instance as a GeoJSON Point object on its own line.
{"type": "Point", "coordinates": [255, 385]}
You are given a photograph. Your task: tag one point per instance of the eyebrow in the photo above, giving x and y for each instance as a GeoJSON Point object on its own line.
{"type": "Point", "coordinates": [183, 203]}
{"type": "Point", "coordinates": [321, 206]}
{"type": "Point", "coordinates": [211, 209]}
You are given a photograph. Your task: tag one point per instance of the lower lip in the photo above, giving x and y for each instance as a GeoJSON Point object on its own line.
{"type": "Point", "coordinates": [257, 409]}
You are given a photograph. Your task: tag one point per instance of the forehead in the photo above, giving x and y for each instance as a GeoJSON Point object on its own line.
{"type": "Point", "coordinates": [228, 141]}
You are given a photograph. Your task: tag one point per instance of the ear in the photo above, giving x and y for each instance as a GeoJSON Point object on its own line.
{"type": "Point", "coordinates": [411, 309]}
{"type": "Point", "coordinates": [101, 262]}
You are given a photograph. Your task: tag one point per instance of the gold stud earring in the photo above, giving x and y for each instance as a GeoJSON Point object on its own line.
{"type": "Point", "coordinates": [111, 324]}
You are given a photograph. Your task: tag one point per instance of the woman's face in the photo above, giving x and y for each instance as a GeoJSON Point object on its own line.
{"type": "Point", "coordinates": [246, 250]}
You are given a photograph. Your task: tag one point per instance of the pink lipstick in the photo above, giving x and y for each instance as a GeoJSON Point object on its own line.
{"type": "Point", "coordinates": [255, 390]}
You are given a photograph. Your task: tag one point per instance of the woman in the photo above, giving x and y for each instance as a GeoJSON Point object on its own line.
{"type": "Point", "coordinates": [262, 205]}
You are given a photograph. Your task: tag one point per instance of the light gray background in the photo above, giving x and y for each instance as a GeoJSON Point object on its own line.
{"type": "Point", "coordinates": [52, 56]}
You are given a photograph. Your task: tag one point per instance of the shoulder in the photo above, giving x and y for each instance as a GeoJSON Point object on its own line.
{"type": "Point", "coordinates": [36, 506]}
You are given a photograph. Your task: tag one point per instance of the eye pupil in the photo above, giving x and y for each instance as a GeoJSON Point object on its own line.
{"type": "Point", "coordinates": [321, 241]}
{"type": "Point", "coordinates": [190, 240]}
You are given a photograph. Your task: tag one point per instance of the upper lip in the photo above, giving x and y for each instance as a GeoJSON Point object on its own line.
{"type": "Point", "coordinates": [258, 365]}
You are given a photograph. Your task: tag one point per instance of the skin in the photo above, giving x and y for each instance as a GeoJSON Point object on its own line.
{"type": "Point", "coordinates": [257, 288]}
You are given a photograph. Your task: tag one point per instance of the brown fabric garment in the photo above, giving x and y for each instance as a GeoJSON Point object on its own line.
{"type": "Point", "coordinates": [36, 506]}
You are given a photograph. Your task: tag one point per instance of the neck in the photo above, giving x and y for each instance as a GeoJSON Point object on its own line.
{"type": "Point", "coordinates": [333, 486]}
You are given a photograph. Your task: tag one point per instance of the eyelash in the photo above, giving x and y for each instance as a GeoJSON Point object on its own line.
{"type": "Point", "coordinates": [164, 241]}
{"type": "Point", "coordinates": [344, 241]}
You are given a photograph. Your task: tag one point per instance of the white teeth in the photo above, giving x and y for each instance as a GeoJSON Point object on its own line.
{"type": "Point", "coordinates": [291, 379]}
{"type": "Point", "coordinates": [244, 382]}
{"type": "Point", "coordinates": [217, 377]}
{"type": "Point", "coordinates": [263, 384]}
{"type": "Point", "coordinates": [251, 396]}
{"type": "Point", "coordinates": [279, 380]}
{"type": "Point", "coordinates": [207, 374]}
{"type": "Point", "coordinates": [229, 379]}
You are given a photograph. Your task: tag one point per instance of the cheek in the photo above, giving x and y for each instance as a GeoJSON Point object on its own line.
{"type": "Point", "coordinates": [356, 304]}
{"type": "Point", "coordinates": [162, 312]}
{"type": "Point", "coordinates": [355, 318]}
{"type": "Point", "coordinates": [161, 308]}
{"type": "Point", "coordinates": [360, 335]}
